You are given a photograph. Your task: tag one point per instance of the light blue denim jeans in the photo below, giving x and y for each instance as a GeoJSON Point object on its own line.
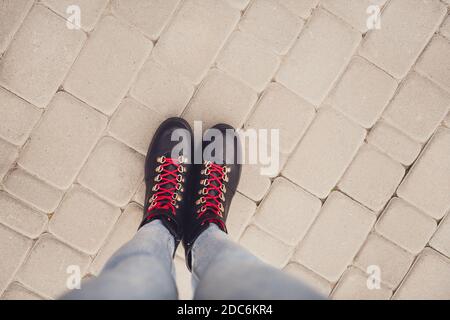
{"type": "Point", "coordinates": [143, 269]}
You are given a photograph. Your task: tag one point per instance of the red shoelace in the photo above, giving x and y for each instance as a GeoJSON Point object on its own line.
{"type": "Point", "coordinates": [213, 193]}
{"type": "Point", "coordinates": [168, 182]}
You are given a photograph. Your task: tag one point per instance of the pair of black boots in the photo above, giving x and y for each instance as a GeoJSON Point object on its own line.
{"type": "Point", "coordinates": [185, 196]}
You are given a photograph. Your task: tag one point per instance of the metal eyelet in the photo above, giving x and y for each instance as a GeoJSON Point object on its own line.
{"type": "Point", "coordinates": [221, 207]}
{"type": "Point", "coordinates": [180, 178]}
{"type": "Point", "coordinates": [179, 187]}
{"type": "Point", "coordinates": [225, 169]}
{"type": "Point", "coordinates": [173, 202]}
{"type": "Point", "coordinates": [223, 188]}
{"type": "Point", "coordinates": [158, 178]}
{"type": "Point", "coordinates": [154, 198]}
{"type": "Point", "coordinates": [204, 191]}
{"type": "Point", "coordinates": [181, 169]}
{"type": "Point", "coordinates": [222, 197]}
{"type": "Point", "coordinates": [159, 169]}
{"type": "Point", "coordinates": [155, 187]}
{"type": "Point", "coordinates": [202, 200]}
{"type": "Point", "coordinates": [153, 204]}
{"type": "Point", "coordinates": [161, 159]}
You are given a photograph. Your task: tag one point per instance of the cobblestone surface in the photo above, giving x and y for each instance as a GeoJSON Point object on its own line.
{"type": "Point", "coordinates": [364, 134]}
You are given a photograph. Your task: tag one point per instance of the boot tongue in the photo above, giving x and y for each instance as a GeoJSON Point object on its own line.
{"type": "Point", "coordinates": [214, 192]}
{"type": "Point", "coordinates": [170, 168]}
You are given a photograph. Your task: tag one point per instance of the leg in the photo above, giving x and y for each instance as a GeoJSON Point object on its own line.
{"type": "Point", "coordinates": [224, 270]}
{"type": "Point", "coordinates": [142, 269]}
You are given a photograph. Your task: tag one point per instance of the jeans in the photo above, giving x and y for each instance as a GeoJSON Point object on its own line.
{"type": "Point", "coordinates": [143, 269]}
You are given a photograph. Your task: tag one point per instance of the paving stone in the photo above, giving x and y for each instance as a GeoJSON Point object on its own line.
{"type": "Point", "coordinates": [83, 221]}
{"type": "Point", "coordinates": [135, 124]}
{"type": "Point", "coordinates": [354, 12]}
{"type": "Point", "coordinates": [260, 150]}
{"type": "Point", "coordinates": [353, 286]}
{"type": "Point", "coordinates": [139, 197]}
{"type": "Point", "coordinates": [395, 47]}
{"type": "Point", "coordinates": [18, 118]}
{"type": "Point", "coordinates": [124, 230]}
{"type": "Point", "coordinates": [21, 218]}
{"type": "Point", "coordinates": [288, 223]}
{"type": "Point", "coordinates": [372, 178]}
{"type": "Point", "coordinates": [427, 185]}
{"type": "Point", "coordinates": [274, 170]}
{"type": "Point", "coordinates": [16, 291]}
{"type": "Point", "coordinates": [231, 101]}
{"type": "Point", "coordinates": [149, 16]}
{"type": "Point", "coordinates": [280, 109]}
{"type": "Point", "coordinates": [105, 68]}
{"type": "Point", "coordinates": [37, 76]}
{"type": "Point", "coordinates": [239, 4]}
{"type": "Point", "coordinates": [273, 24]}
{"type": "Point", "coordinates": [334, 239]}
{"type": "Point", "coordinates": [11, 17]}
{"type": "Point", "coordinates": [183, 277]}
{"type": "Point", "coordinates": [61, 143]}
{"type": "Point", "coordinates": [13, 249]}
{"type": "Point", "coordinates": [192, 41]}
{"type": "Point", "coordinates": [418, 108]}
{"type": "Point", "coordinates": [249, 60]}
{"type": "Point", "coordinates": [423, 284]}
{"type": "Point", "coordinates": [363, 92]}
{"type": "Point", "coordinates": [33, 191]}
{"type": "Point", "coordinates": [447, 120]}
{"type": "Point", "coordinates": [253, 184]}
{"type": "Point", "coordinates": [441, 239]}
{"type": "Point", "coordinates": [393, 261]}
{"type": "Point", "coordinates": [90, 10]}
{"type": "Point", "coordinates": [326, 41]}
{"type": "Point", "coordinates": [50, 259]}
{"type": "Point", "coordinates": [241, 212]}
{"type": "Point", "coordinates": [445, 28]}
{"type": "Point", "coordinates": [300, 8]}
{"type": "Point", "coordinates": [106, 174]}
{"type": "Point", "coordinates": [161, 89]}
{"type": "Point", "coordinates": [265, 247]}
{"type": "Point", "coordinates": [406, 226]}
{"type": "Point", "coordinates": [309, 278]}
{"type": "Point", "coordinates": [394, 143]}
{"type": "Point", "coordinates": [330, 136]}
{"type": "Point", "coordinates": [8, 154]}
{"type": "Point", "coordinates": [435, 62]}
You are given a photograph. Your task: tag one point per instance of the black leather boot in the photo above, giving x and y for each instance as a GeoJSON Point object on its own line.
{"type": "Point", "coordinates": [168, 177]}
{"type": "Point", "coordinates": [215, 183]}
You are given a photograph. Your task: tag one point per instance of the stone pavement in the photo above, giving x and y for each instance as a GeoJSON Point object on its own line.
{"type": "Point", "coordinates": [365, 134]}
